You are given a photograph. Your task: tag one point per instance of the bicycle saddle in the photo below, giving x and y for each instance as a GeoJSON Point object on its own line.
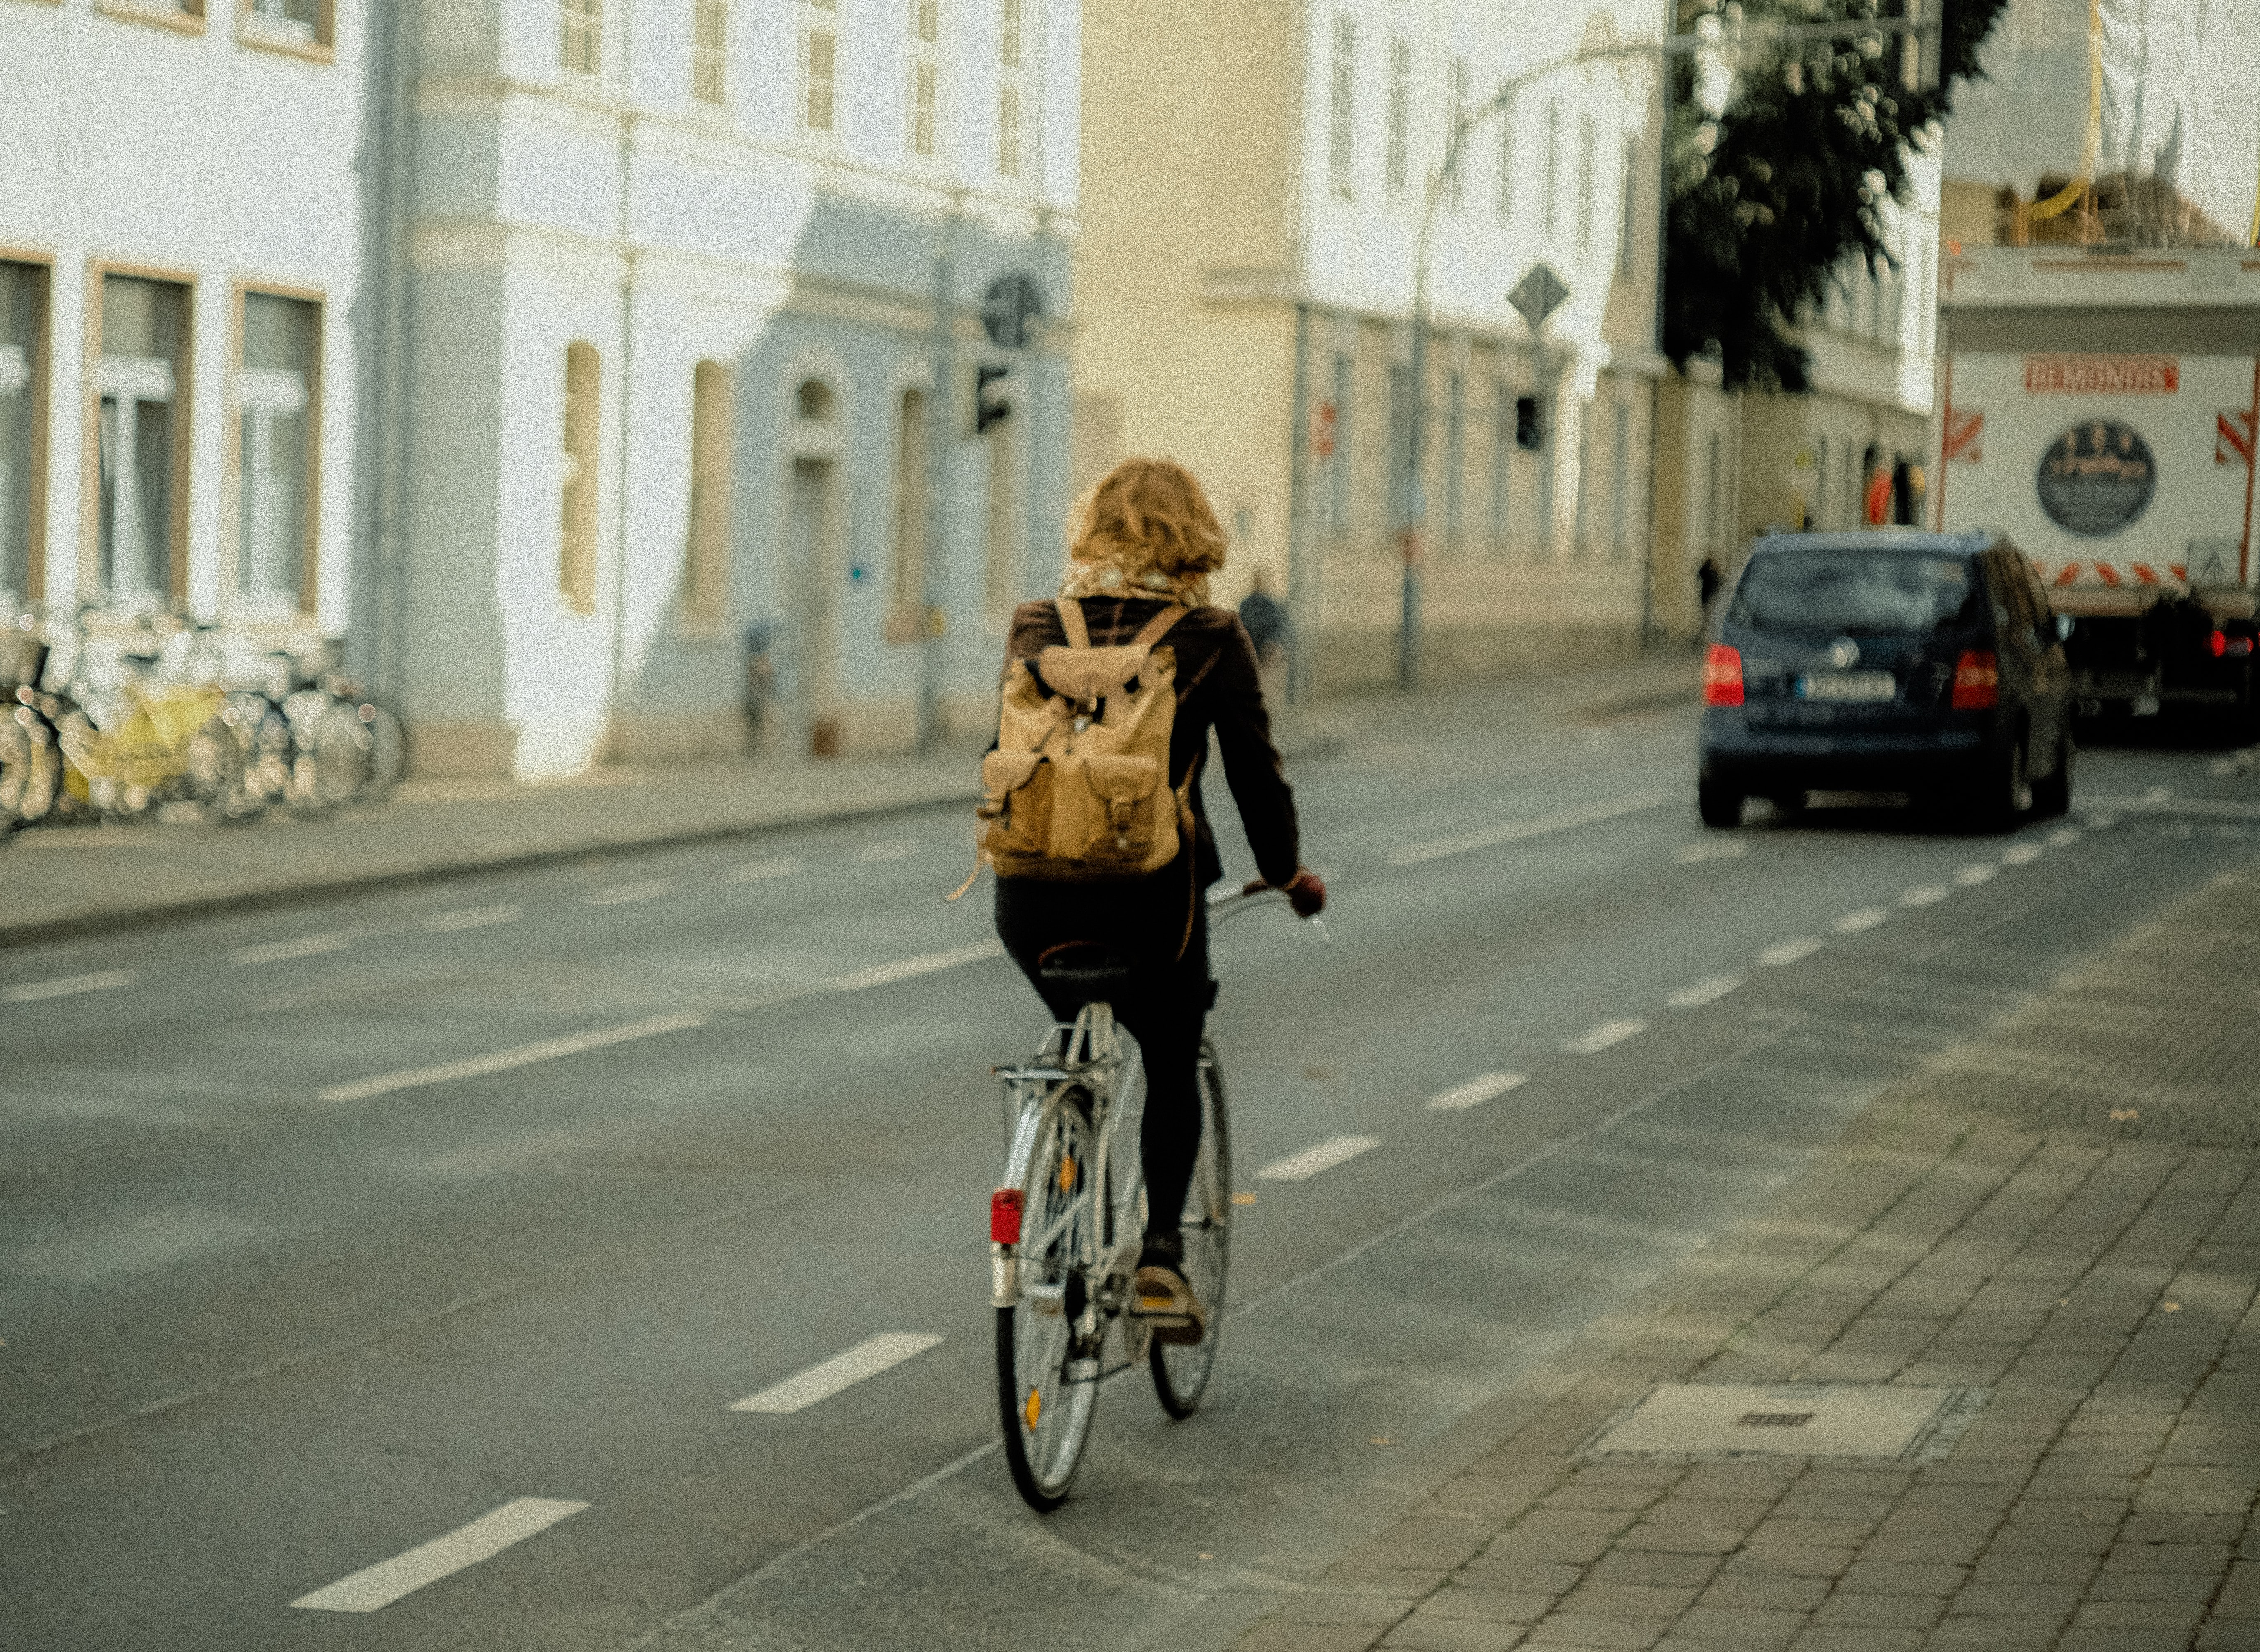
{"type": "Point", "coordinates": [1084, 971]}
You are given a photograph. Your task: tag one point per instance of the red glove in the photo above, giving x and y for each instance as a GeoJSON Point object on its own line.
{"type": "Point", "coordinates": [1305, 891]}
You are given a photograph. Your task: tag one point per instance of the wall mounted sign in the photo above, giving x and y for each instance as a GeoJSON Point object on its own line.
{"type": "Point", "coordinates": [2102, 375]}
{"type": "Point", "coordinates": [2096, 477]}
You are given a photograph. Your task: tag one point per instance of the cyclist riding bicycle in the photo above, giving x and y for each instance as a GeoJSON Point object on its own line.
{"type": "Point", "coordinates": [1143, 542]}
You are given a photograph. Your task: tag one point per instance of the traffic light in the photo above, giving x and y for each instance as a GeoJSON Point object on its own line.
{"type": "Point", "coordinates": [989, 410]}
{"type": "Point", "coordinates": [1527, 433]}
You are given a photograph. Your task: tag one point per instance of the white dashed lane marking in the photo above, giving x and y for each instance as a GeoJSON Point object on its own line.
{"type": "Point", "coordinates": [1603, 1036]}
{"type": "Point", "coordinates": [880, 975]}
{"type": "Point", "coordinates": [1714, 850]}
{"type": "Point", "coordinates": [1475, 1093]}
{"type": "Point", "coordinates": [1702, 992]}
{"type": "Point", "coordinates": [621, 894]}
{"type": "Point", "coordinates": [548, 1049]}
{"type": "Point", "coordinates": [893, 849]}
{"type": "Point", "coordinates": [2063, 837]}
{"type": "Point", "coordinates": [1971, 876]}
{"type": "Point", "coordinates": [1866, 918]}
{"type": "Point", "coordinates": [1783, 953]}
{"type": "Point", "coordinates": [1324, 1155]}
{"type": "Point", "coordinates": [283, 951]}
{"type": "Point", "coordinates": [1519, 831]}
{"type": "Point", "coordinates": [472, 918]}
{"type": "Point", "coordinates": [2021, 854]}
{"type": "Point", "coordinates": [762, 871]}
{"type": "Point", "coordinates": [827, 1377]}
{"type": "Point", "coordinates": [1925, 895]}
{"type": "Point", "coordinates": [375, 1587]}
{"type": "Point", "coordinates": [67, 986]}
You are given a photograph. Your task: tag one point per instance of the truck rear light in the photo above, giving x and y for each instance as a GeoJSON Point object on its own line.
{"type": "Point", "coordinates": [1722, 676]}
{"type": "Point", "coordinates": [1977, 681]}
{"type": "Point", "coordinates": [1005, 1216]}
{"type": "Point", "coordinates": [2221, 645]}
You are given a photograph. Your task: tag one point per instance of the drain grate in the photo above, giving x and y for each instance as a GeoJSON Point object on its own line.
{"type": "Point", "coordinates": [1796, 1419]}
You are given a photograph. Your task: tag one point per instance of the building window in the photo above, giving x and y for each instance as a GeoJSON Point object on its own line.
{"type": "Point", "coordinates": [1549, 215]}
{"type": "Point", "coordinates": [819, 66]}
{"type": "Point", "coordinates": [1455, 459]}
{"type": "Point", "coordinates": [300, 22]}
{"type": "Point", "coordinates": [1627, 207]}
{"type": "Point", "coordinates": [1506, 166]}
{"type": "Point", "coordinates": [909, 593]}
{"type": "Point", "coordinates": [925, 75]}
{"type": "Point", "coordinates": [1584, 183]}
{"type": "Point", "coordinates": [1339, 129]}
{"type": "Point", "coordinates": [23, 425]}
{"type": "Point", "coordinates": [1401, 444]}
{"type": "Point", "coordinates": [710, 51]}
{"type": "Point", "coordinates": [141, 438]}
{"type": "Point", "coordinates": [276, 387]}
{"type": "Point", "coordinates": [581, 24]}
{"type": "Point", "coordinates": [706, 543]}
{"type": "Point", "coordinates": [1009, 89]}
{"type": "Point", "coordinates": [576, 527]}
{"type": "Point", "coordinates": [1501, 459]}
{"type": "Point", "coordinates": [1400, 113]}
{"type": "Point", "coordinates": [1338, 462]}
{"type": "Point", "coordinates": [1456, 116]}
{"type": "Point", "coordinates": [1620, 482]}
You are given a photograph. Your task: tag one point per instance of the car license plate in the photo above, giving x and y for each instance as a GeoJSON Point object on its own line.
{"type": "Point", "coordinates": [1847, 685]}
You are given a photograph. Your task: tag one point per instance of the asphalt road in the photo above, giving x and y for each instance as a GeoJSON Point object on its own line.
{"type": "Point", "coordinates": [449, 1224]}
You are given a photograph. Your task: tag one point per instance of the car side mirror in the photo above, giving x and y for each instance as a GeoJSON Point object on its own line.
{"type": "Point", "coordinates": [2063, 628]}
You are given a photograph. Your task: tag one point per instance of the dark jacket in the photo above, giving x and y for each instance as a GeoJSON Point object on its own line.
{"type": "Point", "coordinates": [1218, 688]}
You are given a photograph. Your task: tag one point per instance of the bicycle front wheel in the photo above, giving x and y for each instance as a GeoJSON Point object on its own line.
{"type": "Point", "coordinates": [1181, 1370]}
{"type": "Point", "coordinates": [1047, 1369]}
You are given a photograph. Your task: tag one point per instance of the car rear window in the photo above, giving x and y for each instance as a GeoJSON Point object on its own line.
{"type": "Point", "coordinates": [1856, 593]}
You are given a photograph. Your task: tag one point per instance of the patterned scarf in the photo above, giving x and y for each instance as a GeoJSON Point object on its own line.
{"type": "Point", "coordinates": [1120, 574]}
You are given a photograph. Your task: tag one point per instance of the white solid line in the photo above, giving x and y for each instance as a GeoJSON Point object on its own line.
{"type": "Point", "coordinates": [1517, 831]}
{"type": "Point", "coordinates": [762, 871]}
{"type": "Point", "coordinates": [1324, 1155]}
{"type": "Point", "coordinates": [621, 894]}
{"type": "Point", "coordinates": [2021, 854]}
{"type": "Point", "coordinates": [1704, 992]}
{"type": "Point", "coordinates": [282, 951]}
{"type": "Point", "coordinates": [893, 849]}
{"type": "Point", "coordinates": [1783, 953]}
{"type": "Point", "coordinates": [1597, 1038]}
{"type": "Point", "coordinates": [380, 1585]}
{"type": "Point", "coordinates": [880, 975]}
{"type": "Point", "coordinates": [66, 986]}
{"type": "Point", "coordinates": [472, 918]}
{"type": "Point", "coordinates": [1475, 1093]}
{"type": "Point", "coordinates": [1716, 849]}
{"type": "Point", "coordinates": [548, 1049]}
{"type": "Point", "coordinates": [827, 1377]}
{"type": "Point", "coordinates": [1971, 876]}
{"type": "Point", "coordinates": [1866, 918]}
{"type": "Point", "coordinates": [2063, 837]}
{"type": "Point", "coordinates": [1925, 895]}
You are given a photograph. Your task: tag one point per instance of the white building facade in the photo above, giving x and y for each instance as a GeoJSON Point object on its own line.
{"type": "Point", "coordinates": [684, 434]}
{"type": "Point", "coordinates": [180, 262]}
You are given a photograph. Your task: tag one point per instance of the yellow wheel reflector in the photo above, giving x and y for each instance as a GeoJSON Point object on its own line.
{"type": "Point", "coordinates": [1066, 1175]}
{"type": "Point", "coordinates": [1033, 1408]}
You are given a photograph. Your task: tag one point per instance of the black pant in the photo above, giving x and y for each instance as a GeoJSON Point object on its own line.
{"type": "Point", "coordinates": [1163, 1009]}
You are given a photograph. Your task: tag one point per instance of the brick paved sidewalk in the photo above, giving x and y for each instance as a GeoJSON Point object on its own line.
{"type": "Point", "coordinates": [2102, 1287]}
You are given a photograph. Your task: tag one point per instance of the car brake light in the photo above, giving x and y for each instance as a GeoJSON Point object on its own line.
{"type": "Point", "coordinates": [1722, 676]}
{"type": "Point", "coordinates": [1977, 681]}
{"type": "Point", "coordinates": [2222, 645]}
{"type": "Point", "coordinates": [1005, 1216]}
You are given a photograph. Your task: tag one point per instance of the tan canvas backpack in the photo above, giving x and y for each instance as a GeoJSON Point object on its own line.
{"type": "Point", "coordinates": [1078, 787]}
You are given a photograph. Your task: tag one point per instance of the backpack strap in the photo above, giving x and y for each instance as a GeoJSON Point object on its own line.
{"type": "Point", "coordinates": [1071, 614]}
{"type": "Point", "coordinates": [1158, 627]}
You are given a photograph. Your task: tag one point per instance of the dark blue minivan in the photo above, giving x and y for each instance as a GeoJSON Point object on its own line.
{"type": "Point", "coordinates": [1923, 663]}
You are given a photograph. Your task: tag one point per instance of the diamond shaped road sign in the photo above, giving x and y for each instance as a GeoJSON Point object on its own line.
{"type": "Point", "coordinates": [1539, 294]}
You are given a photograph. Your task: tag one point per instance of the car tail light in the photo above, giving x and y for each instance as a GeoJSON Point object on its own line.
{"type": "Point", "coordinates": [1005, 1216]}
{"type": "Point", "coordinates": [1977, 681]}
{"type": "Point", "coordinates": [1722, 676]}
{"type": "Point", "coordinates": [2222, 645]}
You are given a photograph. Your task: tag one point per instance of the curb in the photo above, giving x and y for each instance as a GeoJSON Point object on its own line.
{"type": "Point", "coordinates": [307, 891]}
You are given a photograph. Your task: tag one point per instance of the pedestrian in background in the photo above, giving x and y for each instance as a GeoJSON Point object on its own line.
{"type": "Point", "coordinates": [1707, 580]}
{"type": "Point", "coordinates": [1265, 617]}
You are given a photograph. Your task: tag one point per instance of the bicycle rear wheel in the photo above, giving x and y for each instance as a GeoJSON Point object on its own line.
{"type": "Point", "coordinates": [1181, 1370]}
{"type": "Point", "coordinates": [1048, 1386]}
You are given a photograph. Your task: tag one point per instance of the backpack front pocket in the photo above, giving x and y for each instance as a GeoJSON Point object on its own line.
{"type": "Point", "coordinates": [1015, 807]}
{"type": "Point", "coordinates": [1117, 812]}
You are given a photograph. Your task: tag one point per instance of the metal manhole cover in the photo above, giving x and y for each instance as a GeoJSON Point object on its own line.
{"type": "Point", "coordinates": [1790, 1419]}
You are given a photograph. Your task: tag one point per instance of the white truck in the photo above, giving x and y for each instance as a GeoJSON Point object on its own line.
{"type": "Point", "coordinates": [2098, 407]}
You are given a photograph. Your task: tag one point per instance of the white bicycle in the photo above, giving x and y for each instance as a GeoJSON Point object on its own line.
{"type": "Point", "coordinates": [1067, 1222]}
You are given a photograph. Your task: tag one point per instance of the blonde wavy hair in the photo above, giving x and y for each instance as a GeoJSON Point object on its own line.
{"type": "Point", "coordinates": [1146, 528]}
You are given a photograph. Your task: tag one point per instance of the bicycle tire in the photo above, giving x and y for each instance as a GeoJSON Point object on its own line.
{"type": "Point", "coordinates": [1181, 1370]}
{"type": "Point", "coordinates": [1045, 1409]}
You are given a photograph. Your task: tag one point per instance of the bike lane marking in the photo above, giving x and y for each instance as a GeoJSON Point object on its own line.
{"type": "Point", "coordinates": [1603, 1035]}
{"type": "Point", "coordinates": [1925, 895]}
{"type": "Point", "coordinates": [472, 918]}
{"type": "Point", "coordinates": [1323, 1155]}
{"type": "Point", "coordinates": [1971, 876]}
{"type": "Point", "coordinates": [762, 871]}
{"type": "Point", "coordinates": [67, 986]}
{"type": "Point", "coordinates": [621, 894]}
{"type": "Point", "coordinates": [1866, 918]}
{"type": "Point", "coordinates": [375, 1587]}
{"type": "Point", "coordinates": [1517, 831]}
{"type": "Point", "coordinates": [1782, 953]}
{"type": "Point", "coordinates": [283, 951]}
{"type": "Point", "coordinates": [1708, 990]}
{"type": "Point", "coordinates": [547, 1049]}
{"type": "Point", "coordinates": [1475, 1093]}
{"type": "Point", "coordinates": [843, 1370]}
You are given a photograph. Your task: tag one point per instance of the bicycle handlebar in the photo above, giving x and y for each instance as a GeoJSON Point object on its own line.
{"type": "Point", "coordinates": [1258, 893]}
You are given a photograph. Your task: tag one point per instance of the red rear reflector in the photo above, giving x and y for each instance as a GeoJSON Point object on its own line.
{"type": "Point", "coordinates": [2218, 643]}
{"type": "Point", "coordinates": [1005, 1216]}
{"type": "Point", "coordinates": [1977, 681]}
{"type": "Point", "coordinates": [1722, 676]}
